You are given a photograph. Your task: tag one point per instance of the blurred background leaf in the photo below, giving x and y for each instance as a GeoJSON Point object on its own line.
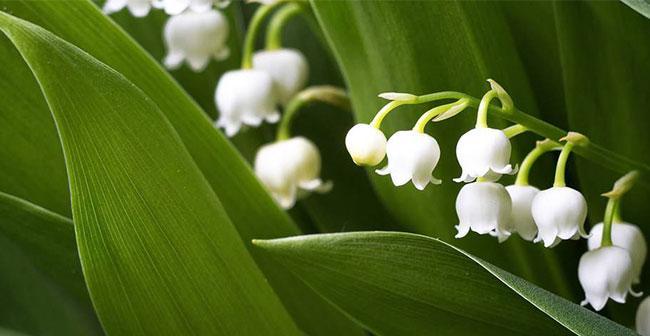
{"type": "Point", "coordinates": [405, 284]}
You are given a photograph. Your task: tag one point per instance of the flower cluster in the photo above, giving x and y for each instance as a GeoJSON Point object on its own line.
{"type": "Point", "coordinates": [268, 81]}
{"type": "Point", "coordinates": [484, 206]}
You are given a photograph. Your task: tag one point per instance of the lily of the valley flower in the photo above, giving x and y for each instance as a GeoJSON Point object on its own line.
{"type": "Point", "coordinates": [521, 217]}
{"type": "Point", "coordinates": [196, 37]}
{"type": "Point", "coordinates": [484, 207]}
{"type": "Point", "coordinates": [245, 97]}
{"type": "Point", "coordinates": [288, 68]}
{"type": "Point", "coordinates": [175, 7]}
{"type": "Point", "coordinates": [287, 166]}
{"type": "Point", "coordinates": [485, 153]}
{"type": "Point", "coordinates": [627, 236]}
{"type": "Point", "coordinates": [138, 8]}
{"type": "Point", "coordinates": [606, 272]}
{"type": "Point", "coordinates": [412, 156]}
{"type": "Point", "coordinates": [643, 318]}
{"type": "Point", "coordinates": [560, 213]}
{"type": "Point", "coordinates": [366, 145]}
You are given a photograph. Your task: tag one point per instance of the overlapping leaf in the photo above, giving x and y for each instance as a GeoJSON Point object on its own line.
{"type": "Point", "coordinates": [158, 251]}
{"type": "Point", "coordinates": [405, 284]}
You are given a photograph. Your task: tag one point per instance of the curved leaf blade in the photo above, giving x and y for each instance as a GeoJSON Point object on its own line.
{"type": "Point", "coordinates": [407, 284]}
{"type": "Point", "coordinates": [158, 251]}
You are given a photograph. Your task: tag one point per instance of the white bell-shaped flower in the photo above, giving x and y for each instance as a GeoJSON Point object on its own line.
{"type": "Point", "coordinates": [196, 37]}
{"type": "Point", "coordinates": [289, 166]}
{"type": "Point", "coordinates": [366, 145]}
{"type": "Point", "coordinates": [643, 318]}
{"type": "Point", "coordinates": [484, 207]}
{"type": "Point", "coordinates": [521, 217]}
{"type": "Point", "coordinates": [483, 152]}
{"type": "Point", "coordinates": [627, 236]}
{"type": "Point", "coordinates": [138, 8]}
{"type": "Point", "coordinates": [605, 272]}
{"type": "Point", "coordinates": [412, 156]}
{"type": "Point", "coordinates": [175, 7]}
{"type": "Point", "coordinates": [245, 97]}
{"type": "Point", "coordinates": [288, 68]}
{"type": "Point", "coordinates": [560, 213]}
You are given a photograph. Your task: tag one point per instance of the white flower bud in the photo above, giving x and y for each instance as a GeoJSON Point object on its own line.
{"type": "Point", "coordinates": [624, 235]}
{"type": "Point", "coordinates": [195, 37]}
{"type": "Point", "coordinates": [138, 8]}
{"type": "Point", "coordinates": [560, 213]}
{"type": "Point", "coordinates": [643, 318]}
{"type": "Point", "coordinates": [288, 68]}
{"type": "Point", "coordinates": [605, 272]}
{"type": "Point", "coordinates": [483, 152]}
{"type": "Point", "coordinates": [412, 156]}
{"type": "Point", "coordinates": [287, 166]}
{"type": "Point", "coordinates": [484, 207]}
{"type": "Point", "coordinates": [521, 217]}
{"type": "Point", "coordinates": [366, 145]}
{"type": "Point", "coordinates": [175, 7]}
{"type": "Point", "coordinates": [245, 97]}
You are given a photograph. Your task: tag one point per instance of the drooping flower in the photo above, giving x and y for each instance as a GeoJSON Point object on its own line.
{"type": "Point", "coordinates": [605, 272]}
{"type": "Point", "coordinates": [138, 8]}
{"type": "Point", "coordinates": [483, 152]}
{"type": "Point", "coordinates": [196, 37]}
{"type": "Point", "coordinates": [289, 166]}
{"type": "Point", "coordinates": [560, 213]}
{"type": "Point", "coordinates": [175, 7]}
{"type": "Point", "coordinates": [288, 68]}
{"type": "Point", "coordinates": [412, 156]}
{"type": "Point", "coordinates": [627, 236]}
{"type": "Point", "coordinates": [245, 97]}
{"type": "Point", "coordinates": [484, 207]}
{"type": "Point", "coordinates": [366, 145]}
{"type": "Point", "coordinates": [643, 318]}
{"type": "Point", "coordinates": [521, 217]}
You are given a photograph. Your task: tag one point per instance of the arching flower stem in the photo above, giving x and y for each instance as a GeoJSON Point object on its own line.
{"type": "Point", "coordinates": [452, 109]}
{"type": "Point", "coordinates": [253, 31]}
{"type": "Point", "coordinates": [541, 148]}
{"type": "Point", "coordinates": [612, 211]}
{"type": "Point", "coordinates": [331, 95]}
{"type": "Point", "coordinates": [514, 130]}
{"type": "Point", "coordinates": [481, 117]}
{"type": "Point", "coordinates": [277, 23]}
{"type": "Point", "coordinates": [591, 151]}
{"type": "Point", "coordinates": [572, 139]}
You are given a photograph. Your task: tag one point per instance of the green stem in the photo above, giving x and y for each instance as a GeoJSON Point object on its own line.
{"type": "Point", "coordinates": [514, 130]}
{"type": "Point", "coordinates": [481, 117]}
{"type": "Point", "coordinates": [279, 20]}
{"type": "Point", "coordinates": [617, 215]}
{"type": "Point", "coordinates": [531, 158]}
{"type": "Point", "coordinates": [610, 210]}
{"type": "Point", "coordinates": [560, 168]}
{"type": "Point", "coordinates": [591, 151]}
{"type": "Point", "coordinates": [432, 113]}
{"type": "Point", "coordinates": [326, 94]}
{"type": "Point", "coordinates": [253, 30]}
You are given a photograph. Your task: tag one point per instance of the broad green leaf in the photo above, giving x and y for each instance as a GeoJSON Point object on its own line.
{"type": "Point", "coordinates": [158, 251]}
{"type": "Point", "coordinates": [605, 78]}
{"type": "Point", "coordinates": [428, 46]}
{"type": "Point", "coordinates": [249, 207]}
{"type": "Point", "coordinates": [31, 160]}
{"type": "Point", "coordinates": [32, 304]}
{"type": "Point", "coordinates": [406, 284]}
{"type": "Point", "coordinates": [47, 239]}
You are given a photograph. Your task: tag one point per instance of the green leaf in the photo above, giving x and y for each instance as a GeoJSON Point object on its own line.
{"type": "Point", "coordinates": [158, 251]}
{"type": "Point", "coordinates": [47, 239]}
{"type": "Point", "coordinates": [406, 284]}
{"type": "Point", "coordinates": [249, 207]}
{"type": "Point", "coordinates": [435, 46]}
